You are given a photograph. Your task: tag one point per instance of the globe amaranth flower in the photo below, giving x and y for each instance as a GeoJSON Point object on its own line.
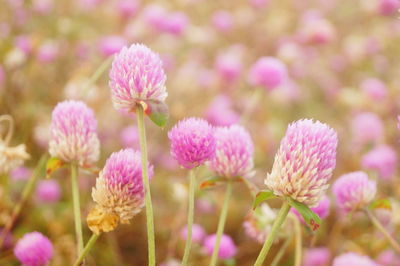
{"type": "Point", "coordinates": [73, 136]}
{"type": "Point", "coordinates": [304, 162]}
{"type": "Point", "coordinates": [227, 248]}
{"type": "Point", "coordinates": [322, 209]}
{"type": "Point", "coordinates": [198, 233]}
{"type": "Point", "coordinates": [351, 258]}
{"type": "Point", "coordinates": [136, 76]}
{"type": "Point", "coordinates": [234, 152]}
{"type": "Point", "coordinates": [354, 191]}
{"type": "Point", "coordinates": [267, 72]}
{"type": "Point", "coordinates": [48, 191]}
{"type": "Point", "coordinates": [34, 249]}
{"type": "Point", "coordinates": [119, 191]}
{"type": "Point", "coordinates": [192, 142]}
{"type": "Point", "coordinates": [366, 128]}
{"type": "Point", "coordinates": [382, 159]}
{"type": "Point", "coordinates": [316, 256]}
{"type": "Point", "coordinates": [221, 113]}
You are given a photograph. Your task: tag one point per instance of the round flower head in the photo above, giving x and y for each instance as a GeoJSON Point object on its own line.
{"type": "Point", "coordinates": [198, 233]}
{"type": "Point", "coordinates": [34, 249]}
{"type": "Point", "coordinates": [388, 7]}
{"type": "Point", "coordinates": [304, 162]}
{"type": "Point", "coordinates": [316, 257]}
{"type": "Point", "coordinates": [20, 173]}
{"type": "Point", "coordinates": [382, 159]}
{"type": "Point", "coordinates": [353, 259]}
{"type": "Point", "coordinates": [227, 248]}
{"type": "Point", "coordinates": [192, 142]}
{"type": "Point", "coordinates": [234, 152]}
{"type": "Point", "coordinates": [110, 45]}
{"type": "Point", "coordinates": [48, 191]}
{"type": "Point", "coordinates": [268, 72]}
{"type": "Point", "coordinates": [374, 88]}
{"type": "Point", "coordinates": [220, 112]}
{"type": "Point", "coordinates": [354, 191]}
{"type": "Point", "coordinates": [119, 191]}
{"type": "Point", "coordinates": [322, 209]}
{"type": "Point", "coordinates": [388, 258]}
{"type": "Point", "coordinates": [73, 133]}
{"type": "Point", "coordinates": [222, 20]}
{"type": "Point", "coordinates": [366, 127]}
{"type": "Point", "coordinates": [229, 66]}
{"type": "Point", "coordinates": [136, 75]}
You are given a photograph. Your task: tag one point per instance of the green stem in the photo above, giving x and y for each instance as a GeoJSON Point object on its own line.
{"type": "Point", "coordinates": [76, 207]}
{"type": "Point", "coordinates": [221, 224]}
{"type": "Point", "coordinates": [96, 75]}
{"type": "Point", "coordinates": [297, 251]}
{"type": "Point", "coordinates": [192, 185]}
{"type": "Point", "coordinates": [283, 212]}
{"type": "Point", "coordinates": [24, 197]}
{"type": "Point", "coordinates": [281, 252]}
{"type": "Point", "coordinates": [86, 250]}
{"type": "Point", "coordinates": [145, 176]}
{"type": "Point", "coordinates": [380, 227]}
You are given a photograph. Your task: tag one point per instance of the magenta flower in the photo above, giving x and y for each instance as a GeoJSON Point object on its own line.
{"type": "Point", "coordinates": [198, 233]}
{"type": "Point", "coordinates": [304, 162]}
{"type": "Point", "coordinates": [48, 191]}
{"type": "Point", "coordinates": [119, 187]}
{"type": "Point", "coordinates": [351, 258]}
{"type": "Point", "coordinates": [267, 72]}
{"type": "Point", "coordinates": [227, 248]}
{"type": "Point", "coordinates": [382, 159]}
{"type": "Point", "coordinates": [136, 76]}
{"type": "Point", "coordinates": [34, 249]}
{"type": "Point", "coordinates": [316, 257]}
{"type": "Point", "coordinates": [322, 209]}
{"type": "Point", "coordinates": [192, 142]}
{"type": "Point", "coordinates": [354, 191]}
{"type": "Point", "coordinates": [73, 133]}
{"type": "Point", "coordinates": [234, 152]}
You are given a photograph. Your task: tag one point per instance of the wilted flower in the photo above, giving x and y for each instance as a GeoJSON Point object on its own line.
{"type": "Point", "coordinates": [119, 191]}
{"type": "Point", "coordinates": [316, 257]}
{"type": "Point", "coordinates": [267, 72]}
{"type": "Point", "coordinates": [382, 159]}
{"type": "Point", "coordinates": [322, 209]}
{"type": "Point", "coordinates": [34, 249]}
{"type": "Point", "coordinates": [234, 152]}
{"type": "Point", "coordinates": [304, 162]}
{"type": "Point", "coordinates": [227, 248]}
{"type": "Point", "coordinates": [354, 191]}
{"type": "Point", "coordinates": [48, 191]}
{"type": "Point", "coordinates": [192, 142]}
{"type": "Point", "coordinates": [11, 157]}
{"type": "Point", "coordinates": [258, 223]}
{"type": "Point", "coordinates": [351, 258]}
{"type": "Point", "coordinates": [136, 75]}
{"type": "Point", "coordinates": [198, 233]}
{"type": "Point", "coordinates": [73, 133]}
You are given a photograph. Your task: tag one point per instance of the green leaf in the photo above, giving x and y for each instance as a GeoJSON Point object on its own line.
{"type": "Point", "coordinates": [262, 196]}
{"type": "Point", "coordinates": [157, 112]}
{"type": "Point", "coordinates": [311, 218]}
{"type": "Point", "coordinates": [380, 204]}
{"type": "Point", "coordinates": [211, 182]}
{"type": "Point", "coordinates": [52, 165]}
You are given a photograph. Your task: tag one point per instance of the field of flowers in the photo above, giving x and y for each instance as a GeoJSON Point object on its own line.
{"type": "Point", "coordinates": [195, 132]}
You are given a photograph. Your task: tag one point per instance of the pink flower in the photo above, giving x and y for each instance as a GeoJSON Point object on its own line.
{"type": "Point", "coordinates": [34, 249]}
{"type": "Point", "coordinates": [73, 133]}
{"type": "Point", "coordinates": [388, 7]}
{"type": "Point", "coordinates": [127, 8]}
{"type": "Point", "coordinates": [48, 52]}
{"type": "Point", "coordinates": [175, 23]}
{"type": "Point", "coordinates": [234, 152]}
{"type": "Point", "coordinates": [304, 162]}
{"type": "Point", "coordinates": [24, 43]}
{"type": "Point", "coordinates": [129, 137]}
{"type": "Point", "coordinates": [267, 72]}
{"type": "Point", "coordinates": [351, 258]}
{"type": "Point", "coordinates": [110, 45]}
{"type": "Point", "coordinates": [316, 30]}
{"type": "Point", "coordinates": [322, 209]}
{"type": "Point", "coordinates": [388, 258]}
{"type": "Point", "coordinates": [154, 15]}
{"type": "Point", "coordinates": [366, 128]}
{"type": "Point", "coordinates": [136, 75]}
{"type": "Point", "coordinates": [198, 233]}
{"type": "Point", "coordinates": [20, 173]}
{"type": "Point", "coordinates": [259, 3]}
{"type": "Point", "coordinates": [354, 191]}
{"type": "Point", "coordinates": [374, 88]}
{"type": "Point", "coordinates": [227, 248]}
{"type": "Point", "coordinates": [192, 142]}
{"type": "Point", "coordinates": [229, 66]}
{"type": "Point", "coordinates": [317, 257]}
{"type": "Point", "coordinates": [220, 112]}
{"type": "Point", "coordinates": [48, 191]}
{"type": "Point", "coordinates": [222, 20]}
{"type": "Point", "coordinates": [382, 159]}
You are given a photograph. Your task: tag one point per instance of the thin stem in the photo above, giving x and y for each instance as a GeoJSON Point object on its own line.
{"type": "Point", "coordinates": [221, 224]}
{"type": "Point", "coordinates": [297, 251]}
{"type": "Point", "coordinates": [76, 207]}
{"type": "Point", "coordinates": [145, 176]}
{"type": "Point", "coordinates": [96, 75]}
{"type": "Point", "coordinates": [192, 185]}
{"type": "Point", "coordinates": [380, 227]}
{"type": "Point", "coordinates": [281, 252]}
{"type": "Point", "coordinates": [24, 197]}
{"type": "Point", "coordinates": [283, 212]}
{"type": "Point", "coordinates": [86, 250]}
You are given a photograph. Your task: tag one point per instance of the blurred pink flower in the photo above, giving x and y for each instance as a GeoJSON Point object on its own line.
{"type": "Point", "coordinates": [129, 137]}
{"type": "Point", "coordinates": [43, 7]}
{"type": "Point", "coordinates": [21, 173]}
{"type": "Point", "coordinates": [382, 159]}
{"type": "Point", "coordinates": [198, 233]}
{"type": "Point", "coordinates": [388, 258]}
{"type": "Point", "coordinates": [127, 8]}
{"type": "Point", "coordinates": [366, 128]}
{"type": "Point", "coordinates": [222, 20]}
{"type": "Point", "coordinates": [229, 66]}
{"type": "Point", "coordinates": [34, 249]}
{"type": "Point", "coordinates": [317, 257]}
{"type": "Point", "coordinates": [24, 43]}
{"type": "Point", "coordinates": [259, 3]}
{"type": "Point", "coordinates": [227, 248]}
{"type": "Point", "coordinates": [47, 52]}
{"type": "Point", "coordinates": [175, 23]}
{"type": "Point", "coordinates": [353, 259]}
{"type": "Point", "coordinates": [388, 7]}
{"type": "Point", "coordinates": [48, 191]}
{"type": "Point", "coordinates": [112, 44]}
{"type": "Point", "coordinates": [374, 89]}
{"type": "Point", "coordinates": [220, 112]}
{"type": "Point", "coordinates": [267, 72]}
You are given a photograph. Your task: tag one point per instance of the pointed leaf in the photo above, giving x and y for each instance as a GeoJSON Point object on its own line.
{"type": "Point", "coordinates": [157, 112]}
{"type": "Point", "coordinates": [380, 204]}
{"type": "Point", "coordinates": [310, 217]}
{"type": "Point", "coordinates": [262, 196]}
{"type": "Point", "coordinates": [211, 182]}
{"type": "Point", "coordinates": [52, 165]}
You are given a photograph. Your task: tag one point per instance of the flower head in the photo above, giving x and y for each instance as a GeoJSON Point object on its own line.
{"type": "Point", "coordinates": [192, 142]}
{"type": "Point", "coordinates": [351, 258]}
{"type": "Point", "coordinates": [73, 133]}
{"type": "Point", "coordinates": [354, 191]}
{"type": "Point", "coordinates": [316, 257]}
{"type": "Point", "coordinates": [227, 248]}
{"type": "Point", "coordinates": [304, 162]}
{"type": "Point", "coordinates": [119, 191]}
{"type": "Point", "coordinates": [34, 249]}
{"type": "Point", "coordinates": [234, 152]}
{"type": "Point", "coordinates": [366, 127]}
{"type": "Point", "coordinates": [136, 75]}
{"type": "Point", "coordinates": [382, 159]}
{"type": "Point", "coordinates": [268, 72]}
{"type": "Point", "coordinates": [48, 191]}
{"type": "Point", "coordinates": [221, 113]}
{"type": "Point", "coordinates": [198, 233]}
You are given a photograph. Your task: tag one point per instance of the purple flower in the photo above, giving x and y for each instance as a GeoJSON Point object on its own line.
{"type": "Point", "coordinates": [382, 159]}
{"type": "Point", "coordinates": [48, 191]}
{"type": "Point", "coordinates": [353, 259]}
{"type": "Point", "coordinates": [234, 152]}
{"type": "Point", "coordinates": [198, 233]}
{"type": "Point", "coordinates": [354, 191]}
{"type": "Point", "coordinates": [267, 72]}
{"type": "Point", "coordinates": [322, 209]}
{"type": "Point", "coordinates": [34, 249]}
{"type": "Point", "coordinates": [192, 142]}
{"type": "Point", "coordinates": [136, 75]}
{"type": "Point", "coordinates": [317, 257]}
{"type": "Point", "coordinates": [227, 248]}
{"type": "Point", "coordinates": [304, 162]}
{"type": "Point", "coordinates": [73, 133]}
